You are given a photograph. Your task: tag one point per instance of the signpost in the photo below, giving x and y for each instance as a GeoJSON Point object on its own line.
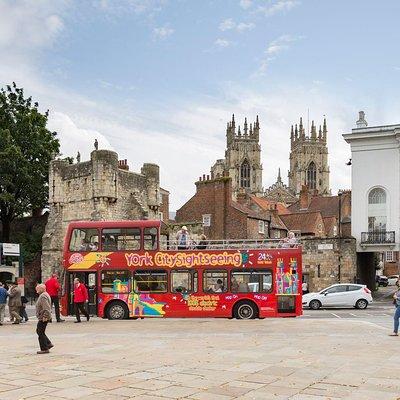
{"type": "Point", "coordinates": [13, 250]}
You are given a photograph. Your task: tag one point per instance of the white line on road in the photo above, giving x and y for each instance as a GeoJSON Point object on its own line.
{"type": "Point", "coordinates": [354, 315]}
{"type": "Point", "coordinates": [337, 316]}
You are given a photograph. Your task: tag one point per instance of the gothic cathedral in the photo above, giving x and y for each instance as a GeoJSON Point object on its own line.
{"type": "Point", "coordinates": [309, 160]}
{"type": "Point", "coordinates": [242, 161]}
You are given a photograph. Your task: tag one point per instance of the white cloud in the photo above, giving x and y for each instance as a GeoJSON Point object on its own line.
{"type": "Point", "coordinates": [277, 7]}
{"type": "Point", "coordinates": [276, 46]}
{"type": "Point", "coordinates": [241, 27]}
{"type": "Point", "coordinates": [227, 24]}
{"type": "Point", "coordinates": [26, 26]}
{"type": "Point", "coordinates": [222, 42]}
{"type": "Point", "coordinates": [230, 24]}
{"type": "Point", "coordinates": [162, 32]}
{"type": "Point", "coordinates": [245, 4]}
{"type": "Point", "coordinates": [74, 139]}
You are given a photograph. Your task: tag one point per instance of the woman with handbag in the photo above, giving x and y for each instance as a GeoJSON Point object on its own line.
{"type": "Point", "coordinates": [396, 302]}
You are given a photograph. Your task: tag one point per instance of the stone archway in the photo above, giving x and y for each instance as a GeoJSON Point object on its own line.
{"type": "Point", "coordinates": [6, 276]}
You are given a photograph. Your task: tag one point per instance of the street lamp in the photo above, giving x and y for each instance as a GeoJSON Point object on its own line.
{"type": "Point", "coordinates": [340, 235]}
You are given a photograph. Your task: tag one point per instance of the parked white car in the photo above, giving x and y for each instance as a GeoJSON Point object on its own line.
{"type": "Point", "coordinates": [339, 295]}
{"type": "Point", "coordinates": [392, 279]}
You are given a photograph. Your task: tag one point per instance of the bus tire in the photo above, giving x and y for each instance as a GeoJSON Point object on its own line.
{"type": "Point", "coordinates": [117, 310]}
{"type": "Point", "coordinates": [245, 310]}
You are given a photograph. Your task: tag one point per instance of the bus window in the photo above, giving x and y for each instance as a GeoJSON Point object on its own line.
{"type": "Point", "coordinates": [121, 239]}
{"type": "Point", "coordinates": [150, 238]}
{"type": "Point", "coordinates": [183, 281]}
{"type": "Point", "coordinates": [151, 281]}
{"type": "Point", "coordinates": [115, 281]}
{"type": "Point", "coordinates": [215, 281]}
{"type": "Point", "coordinates": [251, 281]}
{"type": "Point", "coordinates": [84, 239]}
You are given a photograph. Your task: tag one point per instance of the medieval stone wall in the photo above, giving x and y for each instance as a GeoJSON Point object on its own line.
{"type": "Point", "coordinates": [321, 259]}
{"type": "Point", "coordinates": [95, 190]}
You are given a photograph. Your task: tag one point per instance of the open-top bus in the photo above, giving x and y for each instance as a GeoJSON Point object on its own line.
{"type": "Point", "coordinates": [129, 274]}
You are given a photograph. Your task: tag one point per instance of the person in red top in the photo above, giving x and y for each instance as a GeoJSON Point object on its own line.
{"type": "Point", "coordinates": [53, 288]}
{"type": "Point", "coordinates": [80, 298]}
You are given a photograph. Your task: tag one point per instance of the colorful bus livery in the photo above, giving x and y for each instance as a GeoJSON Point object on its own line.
{"type": "Point", "coordinates": [129, 274]}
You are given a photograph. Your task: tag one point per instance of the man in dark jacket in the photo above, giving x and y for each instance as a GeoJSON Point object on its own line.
{"type": "Point", "coordinates": [53, 288]}
{"type": "Point", "coordinates": [43, 314]}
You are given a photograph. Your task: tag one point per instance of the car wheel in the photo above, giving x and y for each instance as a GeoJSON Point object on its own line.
{"type": "Point", "coordinates": [117, 310]}
{"type": "Point", "coordinates": [362, 304]}
{"type": "Point", "coordinates": [245, 310]}
{"type": "Point", "coordinates": [315, 304]}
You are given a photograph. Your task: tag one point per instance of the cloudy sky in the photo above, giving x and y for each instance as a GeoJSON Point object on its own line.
{"type": "Point", "coordinates": [157, 80]}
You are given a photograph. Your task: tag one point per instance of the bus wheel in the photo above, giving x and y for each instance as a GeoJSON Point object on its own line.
{"type": "Point", "coordinates": [245, 310]}
{"type": "Point", "coordinates": [117, 310]}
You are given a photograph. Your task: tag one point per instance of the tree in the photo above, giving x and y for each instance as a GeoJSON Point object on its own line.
{"type": "Point", "coordinates": [26, 149]}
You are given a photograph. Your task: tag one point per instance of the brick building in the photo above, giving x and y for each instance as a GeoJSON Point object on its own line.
{"type": "Point", "coordinates": [221, 216]}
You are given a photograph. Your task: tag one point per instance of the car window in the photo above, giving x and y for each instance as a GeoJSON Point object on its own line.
{"type": "Point", "coordinates": [351, 288]}
{"type": "Point", "coordinates": [336, 289]}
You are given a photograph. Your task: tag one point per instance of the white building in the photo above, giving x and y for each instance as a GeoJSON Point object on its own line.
{"type": "Point", "coordinates": [375, 174]}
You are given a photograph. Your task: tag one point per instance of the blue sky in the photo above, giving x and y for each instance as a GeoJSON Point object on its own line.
{"type": "Point", "coordinates": [156, 80]}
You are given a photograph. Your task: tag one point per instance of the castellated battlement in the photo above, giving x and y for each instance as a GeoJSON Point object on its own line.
{"type": "Point", "coordinates": [101, 188]}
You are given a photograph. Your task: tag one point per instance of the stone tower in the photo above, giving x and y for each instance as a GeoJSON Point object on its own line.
{"type": "Point", "coordinates": [242, 161]}
{"type": "Point", "coordinates": [309, 159]}
{"type": "Point", "coordinates": [102, 188]}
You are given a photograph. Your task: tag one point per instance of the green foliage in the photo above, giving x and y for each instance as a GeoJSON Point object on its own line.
{"type": "Point", "coordinates": [30, 244]}
{"type": "Point", "coordinates": [26, 149]}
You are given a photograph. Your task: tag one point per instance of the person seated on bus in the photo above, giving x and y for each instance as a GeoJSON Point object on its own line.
{"type": "Point", "coordinates": [234, 285]}
{"type": "Point", "coordinates": [93, 246]}
{"type": "Point", "coordinates": [202, 245]}
{"type": "Point", "coordinates": [84, 245]}
{"type": "Point", "coordinates": [109, 243]}
{"type": "Point", "coordinates": [218, 287]}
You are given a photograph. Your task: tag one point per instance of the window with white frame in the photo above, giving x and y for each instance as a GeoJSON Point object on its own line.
{"type": "Point", "coordinates": [206, 219]}
{"type": "Point", "coordinates": [377, 214]}
{"type": "Point", "coordinates": [389, 256]}
{"type": "Point", "coordinates": [261, 227]}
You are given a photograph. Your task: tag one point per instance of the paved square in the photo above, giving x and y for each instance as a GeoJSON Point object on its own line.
{"type": "Point", "coordinates": [203, 359]}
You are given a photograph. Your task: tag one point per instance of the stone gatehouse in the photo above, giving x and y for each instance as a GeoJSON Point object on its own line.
{"type": "Point", "coordinates": [102, 188]}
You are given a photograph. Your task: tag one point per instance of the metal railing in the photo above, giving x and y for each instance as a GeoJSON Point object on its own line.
{"type": "Point", "coordinates": [228, 244]}
{"type": "Point", "coordinates": [378, 237]}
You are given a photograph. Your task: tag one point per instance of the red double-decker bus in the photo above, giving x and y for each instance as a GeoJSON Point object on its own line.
{"type": "Point", "coordinates": [131, 272]}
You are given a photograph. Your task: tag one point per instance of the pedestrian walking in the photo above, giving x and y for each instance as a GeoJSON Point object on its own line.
{"type": "Point", "coordinates": [3, 302]}
{"type": "Point", "coordinates": [183, 238]}
{"type": "Point", "coordinates": [53, 289]}
{"type": "Point", "coordinates": [396, 302]}
{"type": "Point", "coordinates": [22, 310]}
{"type": "Point", "coordinates": [14, 303]}
{"type": "Point", "coordinates": [80, 298]}
{"type": "Point", "coordinates": [43, 314]}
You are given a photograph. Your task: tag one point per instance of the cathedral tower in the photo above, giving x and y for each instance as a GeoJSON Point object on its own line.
{"type": "Point", "coordinates": [242, 161]}
{"type": "Point", "coordinates": [309, 159]}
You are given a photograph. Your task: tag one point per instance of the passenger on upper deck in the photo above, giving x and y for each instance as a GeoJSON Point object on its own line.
{"type": "Point", "coordinates": [183, 238]}
{"type": "Point", "coordinates": [202, 245]}
{"type": "Point", "coordinates": [289, 241]}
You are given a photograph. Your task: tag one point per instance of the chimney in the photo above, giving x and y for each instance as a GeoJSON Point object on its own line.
{"type": "Point", "coordinates": [304, 198]}
{"type": "Point", "coordinates": [123, 164]}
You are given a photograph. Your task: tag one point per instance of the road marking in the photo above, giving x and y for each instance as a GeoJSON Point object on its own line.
{"type": "Point", "coordinates": [354, 315]}
{"type": "Point", "coordinates": [337, 316]}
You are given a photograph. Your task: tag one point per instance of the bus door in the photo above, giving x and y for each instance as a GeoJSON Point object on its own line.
{"type": "Point", "coordinates": [89, 280]}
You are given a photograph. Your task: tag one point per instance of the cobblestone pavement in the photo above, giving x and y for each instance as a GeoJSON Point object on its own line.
{"type": "Point", "coordinates": [201, 359]}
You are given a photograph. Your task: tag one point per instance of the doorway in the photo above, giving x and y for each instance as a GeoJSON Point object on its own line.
{"type": "Point", "coordinates": [89, 279]}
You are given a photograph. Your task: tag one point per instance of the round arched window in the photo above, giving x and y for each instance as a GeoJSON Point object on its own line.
{"type": "Point", "coordinates": [377, 210]}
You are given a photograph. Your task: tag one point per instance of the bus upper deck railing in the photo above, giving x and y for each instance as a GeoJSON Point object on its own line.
{"type": "Point", "coordinates": [229, 244]}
